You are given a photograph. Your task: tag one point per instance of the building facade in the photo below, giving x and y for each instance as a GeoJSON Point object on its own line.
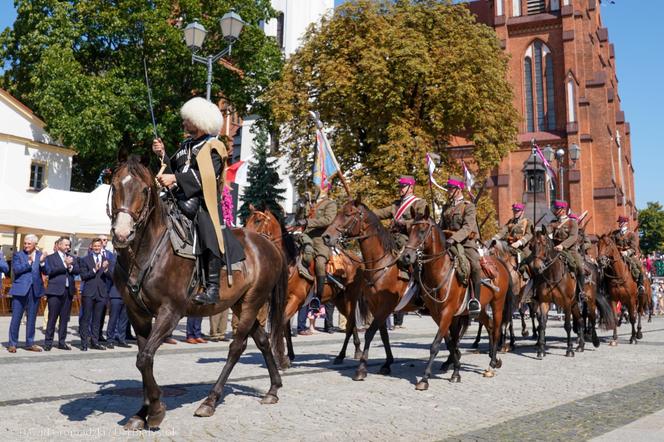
{"type": "Point", "coordinates": [562, 68]}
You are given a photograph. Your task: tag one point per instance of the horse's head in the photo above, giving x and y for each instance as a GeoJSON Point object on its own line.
{"type": "Point", "coordinates": [133, 197]}
{"type": "Point", "coordinates": [421, 239]}
{"type": "Point", "coordinates": [606, 251]}
{"type": "Point", "coordinates": [541, 247]}
{"type": "Point", "coordinates": [263, 222]}
{"type": "Point", "coordinates": [349, 223]}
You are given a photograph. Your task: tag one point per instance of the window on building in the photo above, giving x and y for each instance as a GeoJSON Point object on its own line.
{"type": "Point", "coordinates": [555, 5]}
{"type": "Point", "coordinates": [535, 182]}
{"type": "Point", "coordinates": [37, 175]}
{"type": "Point", "coordinates": [499, 8]}
{"type": "Point", "coordinates": [539, 88]}
{"type": "Point", "coordinates": [571, 102]}
{"type": "Point", "coordinates": [280, 30]}
{"type": "Point", "coordinates": [536, 6]}
{"type": "Point", "coordinates": [516, 8]}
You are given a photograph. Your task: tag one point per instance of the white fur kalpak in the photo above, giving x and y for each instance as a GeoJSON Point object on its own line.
{"type": "Point", "coordinates": [203, 114]}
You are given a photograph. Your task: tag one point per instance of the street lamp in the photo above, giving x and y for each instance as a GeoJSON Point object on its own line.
{"type": "Point", "coordinates": [194, 35]}
{"type": "Point", "coordinates": [560, 154]}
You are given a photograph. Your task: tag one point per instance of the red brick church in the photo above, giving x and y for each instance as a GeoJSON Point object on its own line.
{"type": "Point", "coordinates": [562, 68]}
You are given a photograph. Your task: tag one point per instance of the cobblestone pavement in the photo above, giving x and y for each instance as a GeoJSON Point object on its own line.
{"type": "Point", "coordinates": [609, 393]}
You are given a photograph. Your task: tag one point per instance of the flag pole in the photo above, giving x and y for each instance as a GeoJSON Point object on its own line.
{"type": "Point", "coordinates": [319, 127]}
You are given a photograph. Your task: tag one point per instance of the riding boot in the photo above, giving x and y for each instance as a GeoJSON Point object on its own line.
{"type": "Point", "coordinates": [316, 301]}
{"type": "Point", "coordinates": [474, 306]}
{"type": "Point", "coordinates": [306, 257]}
{"type": "Point", "coordinates": [642, 287]}
{"type": "Point", "coordinates": [211, 294]}
{"type": "Point", "coordinates": [581, 283]}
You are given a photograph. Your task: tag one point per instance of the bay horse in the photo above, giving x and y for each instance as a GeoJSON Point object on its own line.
{"type": "Point", "coordinates": [553, 282]}
{"type": "Point", "coordinates": [444, 295]}
{"type": "Point", "coordinates": [619, 284]}
{"type": "Point", "coordinates": [381, 286]}
{"type": "Point", "coordinates": [154, 284]}
{"type": "Point", "coordinates": [266, 223]}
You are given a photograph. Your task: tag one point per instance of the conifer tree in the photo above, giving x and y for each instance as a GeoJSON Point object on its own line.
{"type": "Point", "coordinates": [263, 178]}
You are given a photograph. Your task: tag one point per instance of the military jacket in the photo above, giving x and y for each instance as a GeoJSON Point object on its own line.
{"type": "Point", "coordinates": [320, 217]}
{"type": "Point", "coordinates": [516, 230]}
{"type": "Point", "coordinates": [625, 242]}
{"type": "Point", "coordinates": [565, 232]}
{"type": "Point", "coordinates": [404, 222]}
{"type": "Point", "coordinates": [461, 219]}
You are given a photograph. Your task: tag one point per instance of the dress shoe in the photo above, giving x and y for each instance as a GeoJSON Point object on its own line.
{"type": "Point", "coordinates": [48, 347]}
{"type": "Point", "coordinates": [123, 345]}
{"type": "Point", "coordinates": [201, 341]}
{"type": "Point", "coordinates": [191, 341]}
{"type": "Point", "coordinates": [64, 347]}
{"type": "Point", "coordinates": [170, 341]}
{"type": "Point", "coordinates": [110, 345]}
{"type": "Point", "coordinates": [35, 348]}
{"type": "Point", "coordinates": [84, 348]}
{"type": "Point", "coordinates": [11, 349]}
{"type": "Point", "coordinates": [97, 347]}
{"type": "Point", "coordinates": [101, 339]}
{"type": "Point", "coordinates": [306, 332]}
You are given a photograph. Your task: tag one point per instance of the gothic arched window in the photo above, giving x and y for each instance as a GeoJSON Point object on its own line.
{"type": "Point", "coordinates": [538, 87]}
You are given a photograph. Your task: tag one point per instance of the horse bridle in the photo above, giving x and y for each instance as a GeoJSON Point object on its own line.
{"type": "Point", "coordinates": [422, 258]}
{"type": "Point", "coordinates": [266, 234]}
{"type": "Point", "coordinates": [139, 218]}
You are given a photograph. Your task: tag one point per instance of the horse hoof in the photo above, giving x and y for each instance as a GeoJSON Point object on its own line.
{"type": "Point", "coordinates": [540, 355]}
{"type": "Point", "coordinates": [204, 410]}
{"type": "Point", "coordinates": [155, 419]}
{"type": "Point", "coordinates": [613, 343]}
{"type": "Point", "coordinates": [269, 399]}
{"type": "Point", "coordinates": [422, 386]}
{"type": "Point", "coordinates": [525, 333]}
{"type": "Point", "coordinates": [338, 361]}
{"type": "Point", "coordinates": [489, 373]}
{"type": "Point", "coordinates": [135, 423]}
{"type": "Point", "coordinates": [580, 349]}
{"type": "Point", "coordinates": [639, 335]}
{"type": "Point", "coordinates": [291, 358]}
{"type": "Point", "coordinates": [360, 376]}
{"type": "Point", "coordinates": [358, 355]}
{"type": "Point", "coordinates": [505, 349]}
{"type": "Point", "coordinates": [569, 354]}
{"type": "Point", "coordinates": [595, 341]}
{"type": "Point", "coordinates": [499, 363]}
{"type": "Point", "coordinates": [285, 365]}
{"type": "Point", "coordinates": [475, 351]}
{"type": "Point", "coordinates": [455, 379]}
{"type": "Point", "coordinates": [384, 370]}
{"type": "Point", "coordinates": [475, 345]}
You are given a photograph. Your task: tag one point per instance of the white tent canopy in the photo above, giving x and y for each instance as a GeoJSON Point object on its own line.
{"type": "Point", "coordinates": [56, 211]}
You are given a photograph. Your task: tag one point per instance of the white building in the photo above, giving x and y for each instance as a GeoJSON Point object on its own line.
{"type": "Point", "coordinates": [29, 159]}
{"type": "Point", "coordinates": [294, 18]}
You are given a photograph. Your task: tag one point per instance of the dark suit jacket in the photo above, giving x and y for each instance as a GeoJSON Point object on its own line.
{"type": "Point", "coordinates": [96, 281]}
{"type": "Point", "coordinates": [25, 275]}
{"type": "Point", "coordinates": [113, 292]}
{"type": "Point", "coordinates": [4, 268]}
{"type": "Point", "coordinates": [58, 275]}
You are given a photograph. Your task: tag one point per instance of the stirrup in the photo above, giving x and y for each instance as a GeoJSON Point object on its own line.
{"type": "Point", "coordinates": [314, 305]}
{"type": "Point", "coordinates": [474, 308]}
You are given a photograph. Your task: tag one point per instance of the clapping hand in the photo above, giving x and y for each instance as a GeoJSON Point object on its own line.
{"type": "Point", "coordinates": [104, 265]}
{"type": "Point", "coordinates": [69, 261]}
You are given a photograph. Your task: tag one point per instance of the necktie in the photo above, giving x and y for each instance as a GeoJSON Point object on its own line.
{"type": "Point", "coordinates": [97, 260]}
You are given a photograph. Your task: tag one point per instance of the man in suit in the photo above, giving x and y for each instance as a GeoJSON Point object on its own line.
{"type": "Point", "coordinates": [94, 272]}
{"type": "Point", "coordinates": [116, 330]}
{"type": "Point", "coordinates": [27, 288]}
{"type": "Point", "coordinates": [4, 268]}
{"type": "Point", "coordinates": [60, 267]}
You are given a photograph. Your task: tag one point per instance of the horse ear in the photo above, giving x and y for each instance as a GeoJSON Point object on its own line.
{"type": "Point", "coordinates": [122, 155]}
{"type": "Point", "coordinates": [145, 158]}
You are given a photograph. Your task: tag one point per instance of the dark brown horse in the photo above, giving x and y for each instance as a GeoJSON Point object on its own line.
{"type": "Point", "coordinates": [619, 284]}
{"type": "Point", "coordinates": [154, 285]}
{"type": "Point", "coordinates": [553, 282]}
{"type": "Point", "coordinates": [381, 286]}
{"type": "Point", "coordinates": [265, 223]}
{"type": "Point", "coordinates": [444, 295]}
{"type": "Point", "coordinates": [595, 302]}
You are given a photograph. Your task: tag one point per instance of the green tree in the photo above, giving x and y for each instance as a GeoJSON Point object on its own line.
{"type": "Point", "coordinates": [651, 228]}
{"type": "Point", "coordinates": [394, 80]}
{"type": "Point", "coordinates": [79, 65]}
{"type": "Point", "coordinates": [263, 178]}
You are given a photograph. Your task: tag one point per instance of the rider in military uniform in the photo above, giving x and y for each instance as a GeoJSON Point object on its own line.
{"type": "Point", "coordinates": [321, 215]}
{"type": "Point", "coordinates": [192, 174]}
{"type": "Point", "coordinates": [565, 234]}
{"type": "Point", "coordinates": [460, 223]}
{"type": "Point", "coordinates": [627, 243]}
{"type": "Point", "coordinates": [517, 233]}
{"type": "Point", "coordinates": [399, 212]}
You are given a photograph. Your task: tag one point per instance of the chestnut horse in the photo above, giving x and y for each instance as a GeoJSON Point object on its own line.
{"type": "Point", "coordinates": [444, 295]}
{"type": "Point", "coordinates": [553, 282]}
{"type": "Point", "coordinates": [265, 223]}
{"type": "Point", "coordinates": [619, 284]}
{"type": "Point", "coordinates": [381, 286]}
{"type": "Point", "coordinates": [154, 284]}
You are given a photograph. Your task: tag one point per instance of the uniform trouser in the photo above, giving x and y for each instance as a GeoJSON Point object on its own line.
{"type": "Point", "coordinates": [117, 307]}
{"type": "Point", "coordinates": [194, 324]}
{"type": "Point", "coordinates": [20, 304]}
{"type": "Point", "coordinates": [58, 307]}
{"type": "Point", "coordinates": [315, 248]}
{"type": "Point", "coordinates": [475, 269]}
{"type": "Point", "coordinates": [91, 320]}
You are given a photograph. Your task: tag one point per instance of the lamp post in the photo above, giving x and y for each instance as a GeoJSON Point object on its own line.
{"type": "Point", "coordinates": [194, 35]}
{"type": "Point", "coordinates": [574, 155]}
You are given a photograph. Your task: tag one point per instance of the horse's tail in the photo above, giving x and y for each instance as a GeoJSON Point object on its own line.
{"type": "Point", "coordinates": [278, 310]}
{"type": "Point", "coordinates": [363, 308]}
{"type": "Point", "coordinates": [464, 323]}
{"type": "Point", "coordinates": [607, 317]}
{"type": "Point", "coordinates": [510, 296]}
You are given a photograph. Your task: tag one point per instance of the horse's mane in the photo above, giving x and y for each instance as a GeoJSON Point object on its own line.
{"type": "Point", "coordinates": [384, 236]}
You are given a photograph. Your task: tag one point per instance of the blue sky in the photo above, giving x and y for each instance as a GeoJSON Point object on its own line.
{"type": "Point", "coordinates": [636, 31]}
